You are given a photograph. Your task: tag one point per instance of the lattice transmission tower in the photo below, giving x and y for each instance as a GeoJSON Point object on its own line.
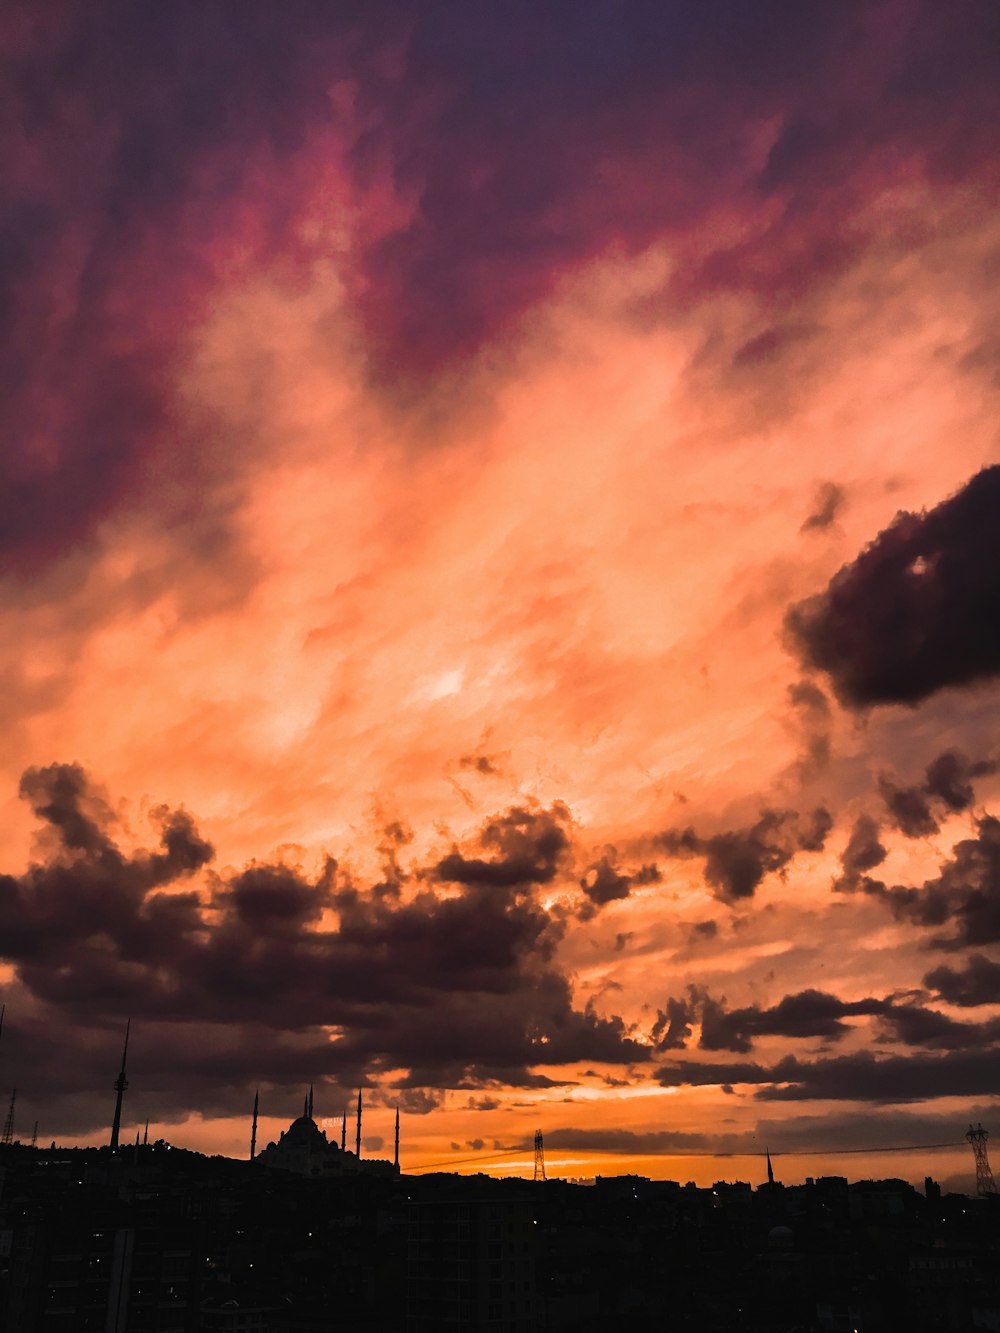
{"type": "Point", "coordinates": [539, 1156]}
{"type": "Point", "coordinates": [977, 1136]}
{"type": "Point", "coordinates": [8, 1127]}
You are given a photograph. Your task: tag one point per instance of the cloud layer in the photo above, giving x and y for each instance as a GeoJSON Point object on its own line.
{"type": "Point", "coordinates": [506, 506]}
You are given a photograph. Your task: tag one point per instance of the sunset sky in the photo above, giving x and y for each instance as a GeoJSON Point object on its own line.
{"type": "Point", "coordinates": [500, 577]}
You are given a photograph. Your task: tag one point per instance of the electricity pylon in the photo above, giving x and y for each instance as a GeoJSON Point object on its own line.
{"type": "Point", "coordinates": [977, 1136]}
{"type": "Point", "coordinates": [539, 1156]}
{"type": "Point", "coordinates": [8, 1129]}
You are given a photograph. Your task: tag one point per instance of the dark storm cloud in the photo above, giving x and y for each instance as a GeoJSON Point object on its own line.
{"type": "Point", "coordinates": [737, 861]}
{"type": "Point", "coordinates": [909, 809]}
{"type": "Point", "coordinates": [810, 1013]}
{"type": "Point", "coordinates": [897, 1078]}
{"type": "Point", "coordinates": [274, 898]}
{"type": "Point", "coordinates": [947, 785]}
{"type": "Point", "coordinates": [918, 610]}
{"type": "Point", "coordinates": [860, 1129]}
{"type": "Point", "coordinates": [595, 1139]}
{"type": "Point", "coordinates": [603, 882]}
{"type": "Point", "coordinates": [864, 851]}
{"type": "Point", "coordinates": [949, 778]}
{"type": "Point", "coordinates": [828, 504]}
{"type": "Point", "coordinates": [813, 712]}
{"type": "Point", "coordinates": [673, 1024]}
{"type": "Point", "coordinates": [88, 889]}
{"type": "Point", "coordinates": [481, 763]}
{"type": "Point", "coordinates": [964, 898]}
{"type": "Point", "coordinates": [526, 847]}
{"type": "Point", "coordinates": [858, 1077]}
{"type": "Point", "coordinates": [792, 1133]}
{"type": "Point", "coordinates": [916, 1025]}
{"type": "Point", "coordinates": [417, 1101]}
{"type": "Point", "coordinates": [977, 983]}
{"type": "Point", "coordinates": [460, 989]}
{"type": "Point", "coordinates": [703, 930]}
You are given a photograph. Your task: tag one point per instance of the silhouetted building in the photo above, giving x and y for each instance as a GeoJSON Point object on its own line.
{"type": "Point", "coordinates": [304, 1150]}
{"type": "Point", "coordinates": [470, 1263]}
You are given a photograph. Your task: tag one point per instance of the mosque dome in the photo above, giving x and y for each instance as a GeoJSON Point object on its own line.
{"type": "Point", "coordinates": [304, 1133]}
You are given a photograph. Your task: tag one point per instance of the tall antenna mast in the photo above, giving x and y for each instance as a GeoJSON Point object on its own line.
{"type": "Point", "coordinates": [977, 1137]}
{"type": "Point", "coordinates": [121, 1083]}
{"type": "Point", "coordinates": [539, 1156]}
{"type": "Point", "coordinates": [8, 1128]}
{"type": "Point", "coordinates": [34, 1136]}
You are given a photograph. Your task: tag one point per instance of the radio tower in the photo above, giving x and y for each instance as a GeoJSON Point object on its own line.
{"type": "Point", "coordinates": [8, 1128]}
{"type": "Point", "coordinates": [121, 1083]}
{"type": "Point", "coordinates": [539, 1156]}
{"type": "Point", "coordinates": [977, 1136]}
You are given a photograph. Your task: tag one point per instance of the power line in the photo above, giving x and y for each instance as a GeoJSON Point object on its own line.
{"type": "Point", "coordinates": [455, 1161]}
{"type": "Point", "coordinates": [718, 1154]}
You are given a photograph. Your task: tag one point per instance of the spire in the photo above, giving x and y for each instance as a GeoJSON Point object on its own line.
{"type": "Point", "coordinates": [358, 1144]}
{"type": "Point", "coordinates": [145, 1133]}
{"type": "Point", "coordinates": [253, 1131]}
{"type": "Point", "coordinates": [343, 1133]}
{"type": "Point", "coordinates": [770, 1169]}
{"type": "Point", "coordinates": [305, 1106]}
{"type": "Point", "coordinates": [396, 1158]}
{"type": "Point", "coordinates": [121, 1083]}
{"type": "Point", "coordinates": [310, 1101]}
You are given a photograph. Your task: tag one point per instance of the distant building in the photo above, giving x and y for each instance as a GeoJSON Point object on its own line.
{"type": "Point", "coordinates": [304, 1150]}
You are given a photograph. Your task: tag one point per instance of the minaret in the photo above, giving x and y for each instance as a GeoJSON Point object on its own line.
{"type": "Point", "coordinates": [305, 1107]}
{"type": "Point", "coordinates": [121, 1083]}
{"type": "Point", "coordinates": [358, 1147]}
{"type": "Point", "coordinates": [343, 1133]}
{"type": "Point", "coordinates": [396, 1158]}
{"type": "Point", "coordinates": [145, 1133]}
{"type": "Point", "coordinates": [253, 1131]}
{"type": "Point", "coordinates": [770, 1169]}
{"type": "Point", "coordinates": [310, 1101]}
